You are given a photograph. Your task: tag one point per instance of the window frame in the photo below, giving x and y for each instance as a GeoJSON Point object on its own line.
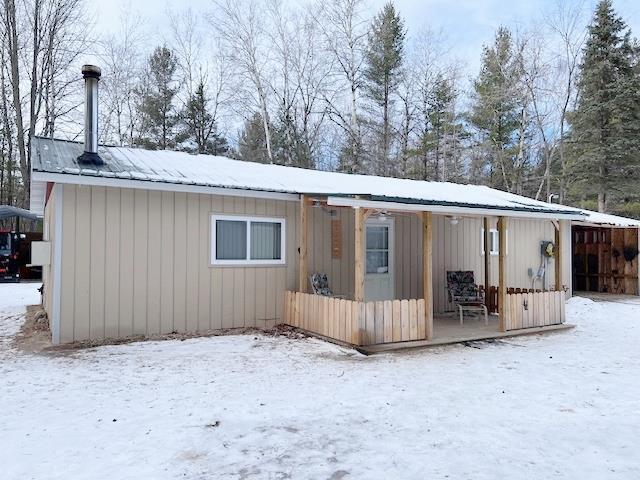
{"type": "Point", "coordinates": [495, 242]}
{"type": "Point", "coordinates": [247, 219]}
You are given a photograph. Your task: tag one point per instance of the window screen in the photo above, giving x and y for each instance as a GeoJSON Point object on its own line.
{"type": "Point", "coordinates": [266, 241]}
{"type": "Point", "coordinates": [231, 240]}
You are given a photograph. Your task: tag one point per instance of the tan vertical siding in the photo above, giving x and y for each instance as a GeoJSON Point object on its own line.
{"type": "Point", "coordinates": [67, 267]}
{"type": "Point", "coordinates": [82, 321]}
{"type": "Point", "coordinates": [340, 271]}
{"type": "Point", "coordinates": [97, 246]}
{"type": "Point", "coordinates": [459, 247]}
{"type": "Point", "coordinates": [154, 263]}
{"type": "Point", "coordinates": [140, 255]}
{"type": "Point", "coordinates": [138, 262]}
{"type": "Point", "coordinates": [166, 262]}
{"type": "Point", "coordinates": [126, 262]}
{"type": "Point", "coordinates": [112, 263]}
{"type": "Point", "coordinates": [192, 271]}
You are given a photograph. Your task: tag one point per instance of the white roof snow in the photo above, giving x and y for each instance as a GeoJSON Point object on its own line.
{"type": "Point", "coordinates": [180, 168]}
{"type": "Point", "coordinates": [607, 219]}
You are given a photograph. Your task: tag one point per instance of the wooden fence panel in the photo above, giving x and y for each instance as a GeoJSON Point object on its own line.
{"type": "Point", "coordinates": [404, 319]}
{"type": "Point", "coordinates": [397, 325]}
{"type": "Point", "coordinates": [534, 309]}
{"type": "Point", "coordinates": [358, 323]}
{"type": "Point", "coordinates": [413, 320]}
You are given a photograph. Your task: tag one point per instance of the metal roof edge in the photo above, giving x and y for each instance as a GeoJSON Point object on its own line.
{"type": "Point", "coordinates": [145, 184]}
{"type": "Point", "coordinates": [531, 209]}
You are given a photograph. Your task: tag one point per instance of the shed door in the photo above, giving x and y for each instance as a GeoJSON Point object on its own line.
{"type": "Point", "coordinates": [379, 255]}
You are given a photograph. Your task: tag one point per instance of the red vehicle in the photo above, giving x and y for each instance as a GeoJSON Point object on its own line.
{"type": "Point", "coordinates": [10, 255]}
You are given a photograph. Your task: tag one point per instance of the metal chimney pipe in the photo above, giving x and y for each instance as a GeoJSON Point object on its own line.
{"type": "Point", "coordinates": [91, 75]}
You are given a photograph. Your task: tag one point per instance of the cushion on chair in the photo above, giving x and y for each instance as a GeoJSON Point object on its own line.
{"type": "Point", "coordinates": [462, 287]}
{"type": "Point", "coordinates": [320, 284]}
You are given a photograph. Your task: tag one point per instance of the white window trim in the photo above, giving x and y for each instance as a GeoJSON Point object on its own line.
{"type": "Point", "coordinates": [495, 242]}
{"type": "Point", "coordinates": [247, 220]}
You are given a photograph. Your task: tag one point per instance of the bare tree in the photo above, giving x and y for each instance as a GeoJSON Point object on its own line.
{"type": "Point", "coordinates": [567, 25]}
{"type": "Point", "coordinates": [240, 25]}
{"type": "Point", "coordinates": [344, 30]}
{"type": "Point", "coordinates": [42, 39]}
{"type": "Point", "coordinates": [122, 60]}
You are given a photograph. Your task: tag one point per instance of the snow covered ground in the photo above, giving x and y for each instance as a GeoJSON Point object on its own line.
{"type": "Point", "coordinates": [564, 405]}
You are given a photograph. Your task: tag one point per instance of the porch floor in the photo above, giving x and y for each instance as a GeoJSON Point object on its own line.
{"type": "Point", "coordinates": [447, 330]}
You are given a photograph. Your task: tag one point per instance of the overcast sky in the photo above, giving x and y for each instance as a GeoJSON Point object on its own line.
{"type": "Point", "coordinates": [468, 24]}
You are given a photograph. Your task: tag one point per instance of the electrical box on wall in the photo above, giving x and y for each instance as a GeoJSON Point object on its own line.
{"type": "Point", "coordinates": [548, 249]}
{"type": "Point", "coordinates": [40, 253]}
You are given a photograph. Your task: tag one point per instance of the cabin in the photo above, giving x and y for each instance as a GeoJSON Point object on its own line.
{"type": "Point", "coordinates": [148, 243]}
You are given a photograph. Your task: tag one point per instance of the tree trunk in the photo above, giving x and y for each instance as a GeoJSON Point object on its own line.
{"type": "Point", "coordinates": [13, 51]}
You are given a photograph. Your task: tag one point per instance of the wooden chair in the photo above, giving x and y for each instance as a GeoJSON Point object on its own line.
{"type": "Point", "coordinates": [465, 294]}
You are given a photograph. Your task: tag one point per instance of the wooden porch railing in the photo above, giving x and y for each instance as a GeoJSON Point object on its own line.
{"type": "Point", "coordinates": [357, 323]}
{"type": "Point", "coordinates": [534, 309]}
{"type": "Point", "coordinates": [492, 295]}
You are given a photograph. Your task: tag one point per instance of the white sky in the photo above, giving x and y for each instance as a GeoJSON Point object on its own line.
{"type": "Point", "coordinates": [468, 24]}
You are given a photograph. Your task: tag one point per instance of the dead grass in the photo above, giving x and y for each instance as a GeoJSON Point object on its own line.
{"type": "Point", "coordinates": [34, 335]}
{"type": "Point", "coordinates": [277, 331]}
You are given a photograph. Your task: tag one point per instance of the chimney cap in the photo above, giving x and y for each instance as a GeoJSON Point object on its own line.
{"type": "Point", "coordinates": [91, 71]}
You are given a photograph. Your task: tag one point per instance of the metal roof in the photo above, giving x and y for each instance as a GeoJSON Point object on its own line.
{"type": "Point", "coordinates": [9, 211]}
{"type": "Point", "coordinates": [169, 168]}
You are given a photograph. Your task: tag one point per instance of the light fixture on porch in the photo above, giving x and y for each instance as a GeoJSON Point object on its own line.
{"type": "Point", "coordinates": [453, 220]}
{"type": "Point", "coordinates": [316, 203]}
{"type": "Point", "coordinates": [383, 215]}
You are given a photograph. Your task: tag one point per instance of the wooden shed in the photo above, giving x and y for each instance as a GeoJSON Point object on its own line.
{"type": "Point", "coordinates": [605, 254]}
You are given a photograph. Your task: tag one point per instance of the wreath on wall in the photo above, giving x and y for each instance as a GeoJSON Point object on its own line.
{"type": "Point", "coordinates": [630, 253]}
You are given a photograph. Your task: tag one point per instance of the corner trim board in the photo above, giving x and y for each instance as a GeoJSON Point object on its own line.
{"type": "Point", "coordinates": [57, 265]}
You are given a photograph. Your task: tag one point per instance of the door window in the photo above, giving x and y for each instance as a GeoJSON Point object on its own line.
{"type": "Point", "coordinates": [377, 251]}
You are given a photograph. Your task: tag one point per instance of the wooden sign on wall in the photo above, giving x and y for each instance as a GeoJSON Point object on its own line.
{"type": "Point", "coordinates": [336, 239]}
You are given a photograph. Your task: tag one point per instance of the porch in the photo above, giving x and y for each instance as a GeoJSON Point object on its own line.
{"type": "Point", "coordinates": [394, 324]}
{"type": "Point", "coordinates": [362, 318]}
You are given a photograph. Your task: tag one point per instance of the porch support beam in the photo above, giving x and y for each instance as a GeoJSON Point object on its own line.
{"type": "Point", "coordinates": [358, 290]}
{"type": "Point", "coordinates": [427, 271]}
{"type": "Point", "coordinates": [487, 260]}
{"type": "Point", "coordinates": [558, 257]}
{"type": "Point", "coordinates": [502, 272]}
{"type": "Point", "coordinates": [303, 272]}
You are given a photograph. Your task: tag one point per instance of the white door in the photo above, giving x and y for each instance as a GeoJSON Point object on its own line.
{"type": "Point", "coordinates": [379, 255]}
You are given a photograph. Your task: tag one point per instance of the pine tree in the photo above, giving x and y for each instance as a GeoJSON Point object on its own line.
{"type": "Point", "coordinates": [289, 145]}
{"type": "Point", "coordinates": [200, 130]}
{"type": "Point", "coordinates": [252, 144]}
{"type": "Point", "coordinates": [604, 150]}
{"type": "Point", "coordinates": [495, 109]}
{"type": "Point", "coordinates": [384, 56]}
{"type": "Point", "coordinates": [156, 107]}
{"type": "Point", "coordinates": [439, 146]}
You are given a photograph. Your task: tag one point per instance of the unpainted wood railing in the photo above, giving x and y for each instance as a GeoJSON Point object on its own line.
{"type": "Point", "coordinates": [357, 323]}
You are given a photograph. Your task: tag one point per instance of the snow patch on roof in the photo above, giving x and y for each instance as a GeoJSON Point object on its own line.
{"type": "Point", "coordinates": [607, 219]}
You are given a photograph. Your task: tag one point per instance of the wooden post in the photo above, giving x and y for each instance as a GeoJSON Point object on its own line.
{"type": "Point", "coordinates": [502, 272]}
{"type": "Point", "coordinates": [358, 289]}
{"type": "Point", "coordinates": [487, 261]}
{"type": "Point", "coordinates": [303, 272]}
{"type": "Point", "coordinates": [558, 256]}
{"type": "Point", "coordinates": [427, 271]}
